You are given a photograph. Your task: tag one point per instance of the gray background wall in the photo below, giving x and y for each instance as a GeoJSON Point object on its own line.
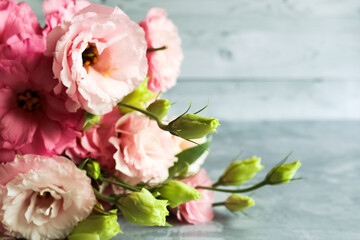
{"type": "Point", "coordinates": [263, 59]}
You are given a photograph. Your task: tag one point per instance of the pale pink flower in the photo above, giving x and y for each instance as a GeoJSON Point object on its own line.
{"type": "Point", "coordinates": [18, 21]}
{"type": "Point", "coordinates": [57, 11]}
{"type": "Point", "coordinates": [95, 142]}
{"type": "Point", "coordinates": [164, 65]}
{"type": "Point", "coordinates": [43, 198]}
{"type": "Point", "coordinates": [99, 57]}
{"type": "Point", "coordinates": [144, 151]}
{"type": "Point", "coordinates": [199, 211]}
{"type": "Point", "coordinates": [32, 118]}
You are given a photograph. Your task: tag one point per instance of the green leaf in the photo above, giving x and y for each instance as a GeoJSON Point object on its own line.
{"type": "Point", "coordinates": [90, 120]}
{"type": "Point", "coordinates": [188, 157]}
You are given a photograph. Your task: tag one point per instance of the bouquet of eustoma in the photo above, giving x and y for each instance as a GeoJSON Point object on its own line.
{"type": "Point", "coordinates": [84, 134]}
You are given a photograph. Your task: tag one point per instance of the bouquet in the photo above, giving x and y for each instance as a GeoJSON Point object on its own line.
{"type": "Point", "coordinates": [84, 132]}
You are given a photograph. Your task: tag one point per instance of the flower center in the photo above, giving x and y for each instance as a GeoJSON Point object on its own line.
{"type": "Point", "coordinates": [90, 55]}
{"type": "Point", "coordinates": [46, 195]}
{"type": "Point", "coordinates": [29, 101]}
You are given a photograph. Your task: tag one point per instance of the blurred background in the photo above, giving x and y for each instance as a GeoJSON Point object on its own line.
{"type": "Point", "coordinates": [259, 60]}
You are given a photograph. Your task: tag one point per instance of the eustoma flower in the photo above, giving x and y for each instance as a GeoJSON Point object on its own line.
{"type": "Point", "coordinates": [38, 197]}
{"type": "Point", "coordinates": [164, 65]}
{"type": "Point", "coordinates": [99, 57]}
{"type": "Point", "coordinates": [144, 151]}
{"type": "Point", "coordinates": [32, 118]}
{"type": "Point", "coordinates": [57, 11]}
{"type": "Point", "coordinates": [18, 21]}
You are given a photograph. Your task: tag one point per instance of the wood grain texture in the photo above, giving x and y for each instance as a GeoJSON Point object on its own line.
{"type": "Point", "coordinates": [276, 59]}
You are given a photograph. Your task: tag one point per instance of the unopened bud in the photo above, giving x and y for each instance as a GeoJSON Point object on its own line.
{"type": "Point", "coordinates": [177, 193]}
{"type": "Point", "coordinates": [93, 169]}
{"type": "Point", "coordinates": [240, 171]}
{"type": "Point", "coordinates": [159, 108]}
{"type": "Point", "coordinates": [237, 202]}
{"type": "Point", "coordinates": [283, 173]}
{"type": "Point", "coordinates": [192, 126]}
{"type": "Point", "coordinates": [143, 209]}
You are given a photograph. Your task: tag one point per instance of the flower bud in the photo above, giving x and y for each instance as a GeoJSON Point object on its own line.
{"type": "Point", "coordinates": [159, 108]}
{"type": "Point", "coordinates": [240, 171]}
{"type": "Point", "coordinates": [177, 193]}
{"type": "Point", "coordinates": [93, 169]}
{"type": "Point", "coordinates": [138, 98]}
{"type": "Point", "coordinates": [192, 126]}
{"type": "Point", "coordinates": [237, 202]}
{"type": "Point", "coordinates": [283, 173]}
{"type": "Point", "coordinates": [97, 227]}
{"type": "Point", "coordinates": [143, 209]}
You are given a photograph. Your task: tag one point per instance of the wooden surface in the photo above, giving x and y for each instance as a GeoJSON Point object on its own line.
{"type": "Point", "coordinates": [290, 60]}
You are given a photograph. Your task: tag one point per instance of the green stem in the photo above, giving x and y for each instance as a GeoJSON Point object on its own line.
{"type": "Point", "coordinates": [123, 185]}
{"type": "Point", "coordinates": [157, 49]}
{"type": "Point", "coordinates": [103, 197]}
{"type": "Point", "coordinates": [147, 113]}
{"type": "Point", "coordinates": [218, 204]}
{"type": "Point", "coordinates": [259, 185]}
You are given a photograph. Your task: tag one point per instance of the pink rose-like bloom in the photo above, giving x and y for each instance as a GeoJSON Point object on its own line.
{"type": "Point", "coordinates": [144, 151]}
{"type": "Point", "coordinates": [38, 197]}
{"type": "Point", "coordinates": [18, 21]}
{"type": "Point", "coordinates": [95, 142]}
{"type": "Point", "coordinates": [199, 211]}
{"type": "Point", "coordinates": [164, 65]}
{"type": "Point", "coordinates": [57, 11]}
{"type": "Point", "coordinates": [32, 118]}
{"type": "Point", "coordinates": [99, 57]}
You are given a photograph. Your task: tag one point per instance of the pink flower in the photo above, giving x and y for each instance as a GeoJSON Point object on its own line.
{"type": "Point", "coordinates": [18, 21]}
{"type": "Point", "coordinates": [144, 151]}
{"type": "Point", "coordinates": [32, 118]}
{"type": "Point", "coordinates": [199, 211]}
{"type": "Point", "coordinates": [95, 142]}
{"type": "Point", "coordinates": [57, 11]}
{"type": "Point", "coordinates": [164, 65]}
{"type": "Point", "coordinates": [38, 197]}
{"type": "Point", "coordinates": [99, 57]}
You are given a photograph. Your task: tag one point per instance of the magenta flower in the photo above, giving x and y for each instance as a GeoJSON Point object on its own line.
{"type": "Point", "coordinates": [164, 65]}
{"type": "Point", "coordinates": [32, 118]}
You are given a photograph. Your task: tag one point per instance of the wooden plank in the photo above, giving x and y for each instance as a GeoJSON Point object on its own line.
{"type": "Point", "coordinates": [264, 100]}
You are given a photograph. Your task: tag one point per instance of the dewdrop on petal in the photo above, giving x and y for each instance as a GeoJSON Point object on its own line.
{"type": "Point", "coordinates": [283, 173]}
{"type": "Point", "coordinates": [143, 209]}
{"type": "Point", "coordinates": [177, 193]}
{"type": "Point", "coordinates": [192, 126]}
{"type": "Point", "coordinates": [240, 171]}
{"type": "Point", "coordinates": [237, 202]}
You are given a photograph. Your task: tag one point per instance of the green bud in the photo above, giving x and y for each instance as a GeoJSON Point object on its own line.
{"type": "Point", "coordinates": [283, 173]}
{"type": "Point", "coordinates": [237, 202]}
{"type": "Point", "coordinates": [240, 171]}
{"type": "Point", "coordinates": [97, 227]}
{"type": "Point", "coordinates": [93, 169]}
{"type": "Point", "coordinates": [159, 108]}
{"type": "Point", "coordinates": [143, 209]}
{"type": "Point", "coordinates": [138, 98]}
{"type": "Point", "coordinates": [192, 126]}
{"type": "Point", "coordinates": [177, 193]}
